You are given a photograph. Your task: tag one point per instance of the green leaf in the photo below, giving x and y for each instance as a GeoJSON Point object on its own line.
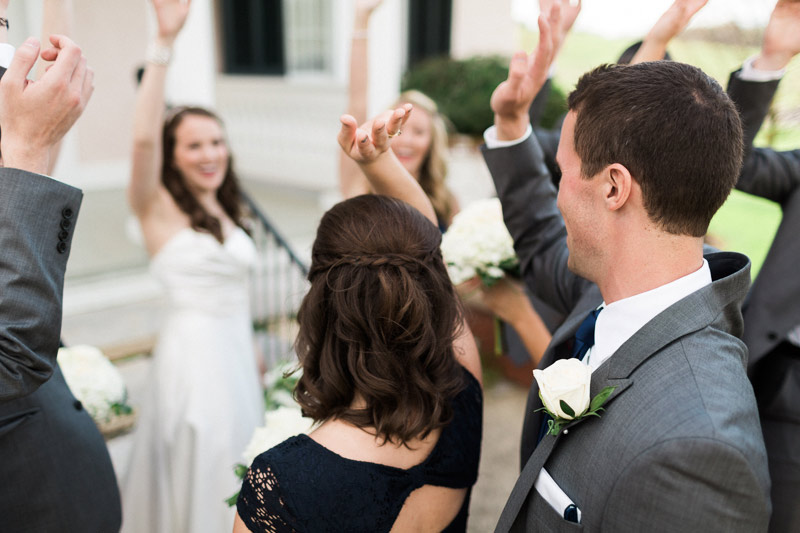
{"type": "Point", "coordinates": [232, 500]}
{"type": "Point", "coordinates": [240, 470]}
{"type": "Point", "coordinates": [601, 398]}
{"type": "Point", "coordinates": [567, 409]}
{"type": "Point", "coordinates": [121, 408]}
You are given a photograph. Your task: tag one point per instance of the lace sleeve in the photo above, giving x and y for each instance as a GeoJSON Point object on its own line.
{"type": "Point", "coordinates": [260, 504]}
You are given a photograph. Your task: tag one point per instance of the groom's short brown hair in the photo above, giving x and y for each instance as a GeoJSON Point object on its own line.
{"type": "Point", "coordinates": [674, 129]}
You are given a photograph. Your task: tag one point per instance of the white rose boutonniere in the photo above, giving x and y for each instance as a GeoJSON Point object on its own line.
{"type": "Point", "coordinates": [564, 391]}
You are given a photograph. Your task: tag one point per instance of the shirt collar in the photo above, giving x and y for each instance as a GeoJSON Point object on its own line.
{"type": "Point", "coordinates": [620, 320]}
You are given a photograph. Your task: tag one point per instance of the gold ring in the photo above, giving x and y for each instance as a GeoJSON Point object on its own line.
{"type": "Point", "coordinates": [395, 134]}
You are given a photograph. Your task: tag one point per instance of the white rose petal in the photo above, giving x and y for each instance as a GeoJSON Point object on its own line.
{"type": "Point", "coordinates": [567, 380]}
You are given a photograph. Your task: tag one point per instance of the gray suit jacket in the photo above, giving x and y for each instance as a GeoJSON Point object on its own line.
{"type": "Point", "coordinates": [54, 465]}
{"type": "Point", "coordinates": [679, 446]}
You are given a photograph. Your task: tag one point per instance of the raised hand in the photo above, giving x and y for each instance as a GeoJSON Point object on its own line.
{"type": "Point", "coordinates": [171, 16]}
{"type": "Point", "coordinates": [34, 116]}
{"type": "Point", "coordinates": [676, 18]}
{"type": "Point", "coordinates": [569, 13]}
{"type": "Point", "coordinates": [670, 24]}
{"type": "Point", "coordinates": [781, 37]}
{"type": "Point", "coordinates": [369, 147]}
{"type": "Point", "coordinates": [366, 143]}
{"type": "Point", "coordinates": [526, 76]}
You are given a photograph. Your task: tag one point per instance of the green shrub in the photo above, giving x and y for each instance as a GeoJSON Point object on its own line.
{"type": "Point", "coordinates": [462, 89]}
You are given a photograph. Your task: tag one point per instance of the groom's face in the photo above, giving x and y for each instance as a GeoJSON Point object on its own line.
{"type": "Point", "coordinates": [578, 203]}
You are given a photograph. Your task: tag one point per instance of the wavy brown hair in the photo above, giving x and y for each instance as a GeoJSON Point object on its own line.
{"type": "Point", "coordinates": [434, 167]}
{"type": "Point", "coordinates": [228, 194]}
{"type": "Point", "coordinates": [378, 323]}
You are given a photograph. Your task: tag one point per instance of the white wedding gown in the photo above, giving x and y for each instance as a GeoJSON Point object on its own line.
{"type": "Point", "coordinates": [204, 399]}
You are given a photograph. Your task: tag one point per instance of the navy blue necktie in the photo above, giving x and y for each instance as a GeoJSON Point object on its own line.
{"type": "Point", "coordinates": [584, 339]}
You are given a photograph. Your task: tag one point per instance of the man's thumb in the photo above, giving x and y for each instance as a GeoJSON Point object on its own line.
{"type": "Point", "coordinates": [22, 63]}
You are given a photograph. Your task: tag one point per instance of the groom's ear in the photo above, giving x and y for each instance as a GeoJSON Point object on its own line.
{"type": "Point", "coordinates": [617, 186]}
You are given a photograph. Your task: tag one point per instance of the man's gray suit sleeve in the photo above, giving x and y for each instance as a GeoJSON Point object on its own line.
{"type": "Point", "coordinates": [687, 484]}
{"type": "Point", "coordinates": [528, 198]}
{"type": "Point", "coordinates": [37, 217]}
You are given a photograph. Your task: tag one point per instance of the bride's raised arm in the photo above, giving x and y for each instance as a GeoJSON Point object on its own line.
{"type": "Point", "coordinates": [369, 145]}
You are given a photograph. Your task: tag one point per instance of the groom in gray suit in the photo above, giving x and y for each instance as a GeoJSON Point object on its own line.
{"type": "Point", "coordinates": [55, 472]}
{"type": "Point", "coordinates": [648, 153]}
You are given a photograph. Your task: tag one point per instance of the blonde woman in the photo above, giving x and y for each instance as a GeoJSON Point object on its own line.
{"type": "Point", "coordinates": [422, 147]}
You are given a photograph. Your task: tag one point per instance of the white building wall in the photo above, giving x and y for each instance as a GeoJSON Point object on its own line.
{"type": "Point", "coordinates": [483, 28]}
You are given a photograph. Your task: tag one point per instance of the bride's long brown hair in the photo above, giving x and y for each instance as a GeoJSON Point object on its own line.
{"type": "Point", "coordinates": [228, 194]}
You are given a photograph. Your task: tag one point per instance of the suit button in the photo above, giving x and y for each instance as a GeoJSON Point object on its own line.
{"type": "Point", "coordinates": [66, 212]}
{"type": "Point", "coordinates": [77, 405]}
{"type": "Point", "coordinates": [65, 223]}
{"type": "Point", "coordinates": [772, 336]}
{"type": "Point", "coordinates": [62, 235]}
{"type": "Point", "coordinates": [61, 247]}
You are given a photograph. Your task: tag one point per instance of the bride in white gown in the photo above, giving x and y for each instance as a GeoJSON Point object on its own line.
{"type": "Point", "coordinates": [204, 397]}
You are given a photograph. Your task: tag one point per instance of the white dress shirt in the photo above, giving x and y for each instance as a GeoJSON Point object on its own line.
{"type": "Point", "coordinates": [620, 320]}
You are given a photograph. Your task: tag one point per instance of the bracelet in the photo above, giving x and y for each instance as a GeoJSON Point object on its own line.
{"type": "Point", "coordinates": [4, 22]}
{"type": "Point", "coordinates": [158, 54]}
{"type": "Point", "coordinates": [360, 34]}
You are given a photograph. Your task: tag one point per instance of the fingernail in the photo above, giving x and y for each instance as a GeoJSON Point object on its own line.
{"type": "Point", "coordinates": [31, 41]}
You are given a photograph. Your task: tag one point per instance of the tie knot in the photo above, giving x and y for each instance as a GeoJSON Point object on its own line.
{"type": "Point", "coordinates": [584, 337]}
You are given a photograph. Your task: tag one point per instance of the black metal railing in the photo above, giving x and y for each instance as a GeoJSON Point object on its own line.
{"type": "Point", "coordinates": [278, 285]}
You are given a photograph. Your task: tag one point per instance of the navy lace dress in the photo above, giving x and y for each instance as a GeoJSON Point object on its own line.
{"type": "Point", "coordinates": [299, 485]}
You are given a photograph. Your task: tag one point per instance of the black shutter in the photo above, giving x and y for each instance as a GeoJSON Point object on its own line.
{"type": "Point", "coordinates": [253, 37]}
{"type": "Point", "coordinates": [429, 24]}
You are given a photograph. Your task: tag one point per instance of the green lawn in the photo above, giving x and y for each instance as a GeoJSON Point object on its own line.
{"type": "Point", "coordinates": [745, 223]}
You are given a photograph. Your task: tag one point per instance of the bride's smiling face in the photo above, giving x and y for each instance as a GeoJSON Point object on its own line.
{"type": "Point", "coordinates": [201, 154]}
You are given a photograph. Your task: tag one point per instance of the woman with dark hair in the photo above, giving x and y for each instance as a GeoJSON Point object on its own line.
{"type": "Point", "coordinates": [205, 398]}
{"type": "Point", "coordinates": [391, 373]}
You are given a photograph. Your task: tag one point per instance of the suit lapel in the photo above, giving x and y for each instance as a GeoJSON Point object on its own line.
{"type": "Point", "coordinates": [688, 315]}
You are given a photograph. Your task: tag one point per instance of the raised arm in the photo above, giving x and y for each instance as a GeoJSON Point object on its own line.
{"type": "Point", "coordinates": [781, 37]}
{"type": "Point", "coordinates": [549, 139]}
{"type": "Point", "coordinates": [668, 26]}
{"type": "Point", "coordinates": [767, 173]}
{"type": "Point", "coordinates": [524, 185]}
{"type": "Point", "coordinates": [352, 181]}
{"type": "Point", "coordinates": [33, 209]}
{"type": "Point", "coordinates": [149, 109]}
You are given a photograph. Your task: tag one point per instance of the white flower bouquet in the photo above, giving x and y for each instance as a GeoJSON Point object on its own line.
{"type": "Point", "coordinates": [99, 386]}
{"type": "Point", "coordinates": [283, 418]}
{"type": "Point", "coordinates": [477, 243]}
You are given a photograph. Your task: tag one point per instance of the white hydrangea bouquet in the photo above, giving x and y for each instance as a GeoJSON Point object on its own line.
{"type": "Point", "coordinates": [283, 418]}
{"type": "Point", "coordinates": [477, 243]}
{"type": "Point", "coordinates": [99, 386]}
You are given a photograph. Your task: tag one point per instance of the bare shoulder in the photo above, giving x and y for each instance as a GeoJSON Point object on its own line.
{"type": "Point", "coordinates": [161, 221]}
